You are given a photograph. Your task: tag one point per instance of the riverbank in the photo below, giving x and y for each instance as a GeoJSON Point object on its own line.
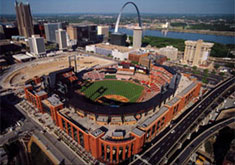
{"type": "Point", "coordinates": [208, 32]}
{"type": "Point", "coordinates": [182, 35]}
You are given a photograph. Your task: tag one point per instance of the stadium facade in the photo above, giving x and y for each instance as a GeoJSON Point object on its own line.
{"type": "Point", "coordinates": [111, 134]}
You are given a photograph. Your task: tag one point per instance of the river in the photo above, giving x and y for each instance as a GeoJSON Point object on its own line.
{"type": "Point", "coordinates": [185, 36]}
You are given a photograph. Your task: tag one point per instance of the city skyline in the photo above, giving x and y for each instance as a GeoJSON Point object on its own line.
{"type": "Point", "coordinates": [155, 7]}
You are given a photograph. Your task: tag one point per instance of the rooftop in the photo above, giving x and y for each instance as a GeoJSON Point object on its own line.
{"type": "Point", "coordinates": [83, 123]}
{"type": "Point", "coordinates": [151, 119]}
{"type": "Point", "coordinates": [82, 24]}
{"type": "Point", "coordinates": [173, 101]}
{"type": "Point", "coordinates": [183, 83]}
{"type": "Point", "coordinates": [187, 89]}
{"type": "Point", "coordinates": [138, 53]}
{"type": "Point", "coordinates": [54, 101]}
{"type": "Point", "coordinates": [118, 134]}
{"type": "Point", "coordinates": [198, 41]}
{"type": "Point", "coordinates": [129, 118]}
{"type": "Point", "coordinates": [97, 132]}
{"type": "Point", "coordinates": [138, 132]}
{"type": "Point", "coordinates": [91, 126]}
{"type": "Point", "coordinates": [116, 119]}
{"type": "Point", "coordinates": [41, 93]}
{"type": "Point", "coordinates": [21, 57]}
{"type": "Point", "coordinates": [102, 118]}
{"type": "Point", "coordinates": [114, 47]}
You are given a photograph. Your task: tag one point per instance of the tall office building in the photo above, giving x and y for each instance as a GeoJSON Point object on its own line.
{"type": "Point", "coordinates": [84, 34]}
{"type": "Point", "coordinates": [50, 29]}
{"type": "Point", "coordinates": [72, 32]}
{"type": "Point", "coordinates": [103, 30]}
{"type": "Point", "coordinates": [61, 39]}
{"type": "Point", "coordinates": [118, 39]}
{"type": "Point", "coordinates": [37, 46]}
{"type": "Point", "coordinates": [137, 37]}
{"type": "Point", "coordinates": [24, 19]}
{"type": "Point", "coordinates": [196, 53]}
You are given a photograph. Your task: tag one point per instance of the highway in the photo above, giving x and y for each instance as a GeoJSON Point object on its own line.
{"type": "Point", "coordinates": [167, 141]}
{"type": "Point", "coordinates": [182, 156]}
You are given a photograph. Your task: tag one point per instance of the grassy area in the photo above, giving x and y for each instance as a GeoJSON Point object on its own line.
{"type": "Point", "coordinates": [113, 87]}
{"type": "Point", "coordinates": [110, 77]}
{"type": "Point", "coordinates": [162, 42]}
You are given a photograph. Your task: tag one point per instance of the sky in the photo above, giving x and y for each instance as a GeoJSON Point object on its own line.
{"type": "Point", "coordinates": [114, 6]}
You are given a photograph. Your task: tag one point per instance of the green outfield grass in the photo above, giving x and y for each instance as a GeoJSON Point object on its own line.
{"type": "Point", "coordinates": [110, 77]}
{"type": "Point", "coordinates": [113, 87]}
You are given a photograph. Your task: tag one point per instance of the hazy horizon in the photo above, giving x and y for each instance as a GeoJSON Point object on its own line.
{"type": "Point", "coordinates": [127, 13]}
{"type": "Point", "coordinates": [109, 6]}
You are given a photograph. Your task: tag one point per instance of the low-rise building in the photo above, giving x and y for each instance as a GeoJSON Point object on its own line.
{"type": "Point", "coordinates": [137, 55]}
{"type": "Point", "coordinates": [22, 57]}
{"type": "Point", "coordinates": [170, 52]}
{"type": "Point", "coordinates": [117, 52]}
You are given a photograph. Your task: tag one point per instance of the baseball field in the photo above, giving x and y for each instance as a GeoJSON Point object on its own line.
{"type": "Point", "coordinates": [121, 91]}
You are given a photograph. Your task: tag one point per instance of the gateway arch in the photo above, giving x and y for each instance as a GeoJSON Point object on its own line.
{"type": "Point", "coordinates": [120, 14]}
{"type": "Point", "coordinates": [137, 35]}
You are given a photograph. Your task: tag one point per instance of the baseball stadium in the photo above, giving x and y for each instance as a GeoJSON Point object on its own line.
{"type": "Point", "coordinates": [112, 110]}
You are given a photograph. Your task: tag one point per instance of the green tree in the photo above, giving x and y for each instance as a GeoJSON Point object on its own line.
{"type": "Point", "coordinates": [221, 73]}
{"type": "Point", "coordinates": [213, 72]}
{"type": "Point", "coordinates": [208, 147]}
{"type": "Point", "coordinates": [205, 72]}
{"type": "Point", "coordinates": [204, 80]}
{"type": "Point", "coordinates": [221, 50]}
{"type": "Point", "coordinates": [216, 66]}
{"type": "Point", "coordinates": [194, 68]}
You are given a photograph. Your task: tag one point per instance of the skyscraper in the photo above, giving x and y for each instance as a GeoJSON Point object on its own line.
{"type": "Point", "coordinates": [118, 39]}
{"type": "Point", "coordinates": [50, 29]}
{"type": "Point", "coordinates": [72, 32]}
{"type": "Point", "coordinates": [61, 39]}
{"type": "Point", "coordinates": [84, 34]}
{"type": "Point", "coordinates": [37, 46]}
{"type": "Point", "coordinates": [103, 30]}
{"type": "Point", "coordinates": [137, 37]}
{"type": "Point", "coordinates": [24, 19]}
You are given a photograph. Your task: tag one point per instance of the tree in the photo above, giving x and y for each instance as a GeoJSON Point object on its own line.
{"type": "Point", "coordinates": [109, 55]}
{"type": "Point", "coordinates": [208, 147]}
{"type": "Point", "coordinates": [205, 71]}
{"type": "Point", "coordinates": [194, 68]}
{"type": "Point", "coordinates": [213, 72]}
{"type": "Point", "coordinates": [204, 80]}
{"type": "Point", "coordinates": [134, 62]}
{"type": "Point", "coordinates": [216, 66]}
{"type": "Point", "coordinates": [221, 73]}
